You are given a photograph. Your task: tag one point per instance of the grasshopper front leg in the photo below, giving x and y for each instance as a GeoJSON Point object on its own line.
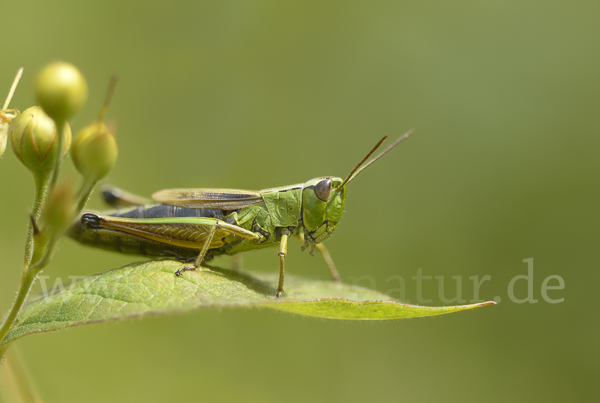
{"type": "Point", "coordinates": [326, 256]}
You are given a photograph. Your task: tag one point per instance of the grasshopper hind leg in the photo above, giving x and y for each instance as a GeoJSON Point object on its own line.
{"type": "Point", "coordinates": [192, 260]}
{"type": "Point", "coordinates": [185, 268]}
{"type": "Point", "coordinates": [203, 253]}
{"type": "Point", "coordinates": [186, 260]}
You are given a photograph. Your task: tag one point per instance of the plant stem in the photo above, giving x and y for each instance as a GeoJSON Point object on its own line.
{"type": "Point", "coordinates": [27, 279]}
{"type": "Point", "coordinates": [60, 127]}
{"type": "Point", "coordinates": [42, 185]}
{"type": "Point", "coordinates": [19, 380]}
{"type": "Point", "coordinates": [3, 349]}
{"type": "Point", "coordinates": [84, 194]}
{"type": "Point", "coordinates": [13, 88]}
{"type": "Point", "coordinates": [111, 90]}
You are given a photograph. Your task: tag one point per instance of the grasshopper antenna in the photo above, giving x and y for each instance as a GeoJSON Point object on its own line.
{"type": "Point", "coordinates": [360, 167]}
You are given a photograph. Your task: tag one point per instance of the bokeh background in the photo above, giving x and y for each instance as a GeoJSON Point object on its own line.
{"type": "Point", "coordinates": [504, 98]}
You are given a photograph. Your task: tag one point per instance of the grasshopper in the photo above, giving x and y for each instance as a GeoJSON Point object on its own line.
{"type": "Point", "coordinates": [198, 224]}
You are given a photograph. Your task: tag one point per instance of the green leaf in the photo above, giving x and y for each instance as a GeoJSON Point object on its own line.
{"type": "Point", "coordinates": [151, 288]}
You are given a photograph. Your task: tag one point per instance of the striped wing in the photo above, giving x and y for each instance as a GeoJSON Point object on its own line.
{"type": "Point", "coordinates": [224, 199]}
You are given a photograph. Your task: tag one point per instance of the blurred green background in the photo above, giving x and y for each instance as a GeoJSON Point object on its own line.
{"type": "Point", "coordinates": [504, 99]}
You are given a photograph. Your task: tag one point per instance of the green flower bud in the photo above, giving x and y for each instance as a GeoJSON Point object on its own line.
{"type": "Point", "coordinates": [61, 90]}
{"type": "Point", "coordinates": [6, 116]}
{"type": "Point", "coordinates": [94, 151]}
{"type": "Point", "coordinates": [34, 139]}
{"type": "Point", "coordinates": [59, 209]}
{"type": "Point", "coordinates": [4, 123]}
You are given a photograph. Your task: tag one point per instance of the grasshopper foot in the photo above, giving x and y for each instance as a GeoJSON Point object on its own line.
{"type": "Point", "coordinates": [185, 268]}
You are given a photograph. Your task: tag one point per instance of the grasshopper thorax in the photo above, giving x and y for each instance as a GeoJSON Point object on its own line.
{"type": "Point", "coordinates": [322, 207]}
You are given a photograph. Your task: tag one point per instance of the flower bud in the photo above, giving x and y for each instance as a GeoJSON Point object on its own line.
{"type": "Point", "coordinates": [61, 90]}
{"type": "Point", "coordinates": [4, 123]}
{"type": "Point", "coordinates": [6, 116]}
{"type": "Point", "coordinates": [34, 139]}
{"type": "Point", "coordinates": [59, 209]}
{"type": "Point", "coordinates": [94, 151]}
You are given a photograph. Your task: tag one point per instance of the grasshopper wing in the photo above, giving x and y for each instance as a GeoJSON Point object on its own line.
{"type": "Point", "coordinates": [224, 199]}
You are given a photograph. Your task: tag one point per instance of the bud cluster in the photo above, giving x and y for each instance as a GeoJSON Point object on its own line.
{"type": "Point", "coordinates": [41, 136]}
{"type": "Point", "coordinates": [61, 91]}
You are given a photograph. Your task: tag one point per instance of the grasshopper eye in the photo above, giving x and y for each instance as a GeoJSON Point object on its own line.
{"type": "Point", "coordinates": [323, 189]}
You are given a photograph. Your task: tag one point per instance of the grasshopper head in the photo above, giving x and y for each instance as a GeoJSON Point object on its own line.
{"type": "Point", "coordinates": [322, 207]}
{"type": "Point", "coordinates": [323, 198]}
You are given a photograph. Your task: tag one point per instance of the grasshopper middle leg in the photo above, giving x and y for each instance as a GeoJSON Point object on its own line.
{"type": "Point", "coordinates": [282, 252]}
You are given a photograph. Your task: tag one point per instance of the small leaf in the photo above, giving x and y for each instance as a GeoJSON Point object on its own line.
{"type": "Point", "coordinates": [151, 288]}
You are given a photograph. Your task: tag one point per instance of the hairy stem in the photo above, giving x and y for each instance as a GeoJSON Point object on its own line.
{"type": "Point", "coordinates": [27, 279]}
{"type": "Point", "coordinates": [60, 127]}
{"type": "Point", "coordinates": [42, 186]}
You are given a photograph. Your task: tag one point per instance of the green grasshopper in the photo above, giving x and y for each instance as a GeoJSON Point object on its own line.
{"type": "Point", "coordinates": [198, 224]}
